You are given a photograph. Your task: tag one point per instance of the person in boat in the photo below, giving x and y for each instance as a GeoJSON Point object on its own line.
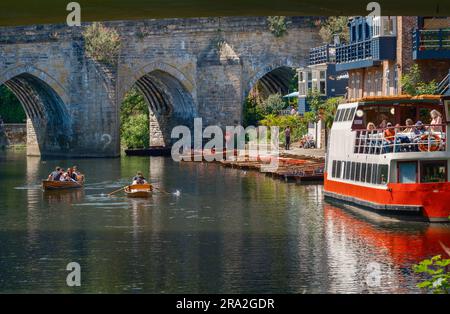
{"type": "Point", "coordinates": [418, 130]}
{"type": "Point", "coordinates": [436, 121]}
{"type": "Point", "coordinates": [55, 175]}
{"type": "Point", "coordinates": [389, 137]}
{"type": "Point", "coordinates": [371, 126]}
{"type": "Point", "coordinates": [139, 179]}
{"type": "Point", "coordinates": [409, 123]}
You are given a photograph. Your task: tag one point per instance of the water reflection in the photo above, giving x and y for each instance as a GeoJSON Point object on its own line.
{"type": "Point", "coordinates": [227, 231]}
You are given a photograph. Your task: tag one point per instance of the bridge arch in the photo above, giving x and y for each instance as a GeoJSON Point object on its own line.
{"type": "Point", "coordinates": [274, 77]}
{"type": "Point", "coordinates": [170, 97]}
{"type": "Point", "coordinates": [49, 124]}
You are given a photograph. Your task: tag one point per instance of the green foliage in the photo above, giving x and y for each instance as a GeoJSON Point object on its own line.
{"type": "Point", "coordinates": [438, 272]}
{"type": "Point", "coordinates": [277, 25]}
{"type": "Point", "coordinates": [412, 83]}
{"type": "Point", "coordinates": [11, 110]}
{"type": "Point", "coordinates": [253, 112]}
{"type": "Point", "coordinates": [329, 109]}
{"type": "Point", "coordinates": [102, 43]}
{"type": "Point", "coordinates": [134, 129]}
{"type": "Point", "coordinates": [335, 25]}
{"type": "Point", "coordinates": [298, 124]}
{"type": "Point", "coordinates": [273, 104]}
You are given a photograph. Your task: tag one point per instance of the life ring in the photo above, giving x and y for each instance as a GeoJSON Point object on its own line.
{"type": "Point", "coordinates": [434, 140]}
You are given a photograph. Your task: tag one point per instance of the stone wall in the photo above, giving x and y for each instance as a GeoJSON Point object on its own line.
{"type": "Point", "coordinates": [198, 67]}
{"type": "Point", "coordinates": [14, 134]}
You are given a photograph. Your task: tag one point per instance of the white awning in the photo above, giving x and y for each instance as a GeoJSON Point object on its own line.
{"type": "Point", "coordinates": [294, 94]}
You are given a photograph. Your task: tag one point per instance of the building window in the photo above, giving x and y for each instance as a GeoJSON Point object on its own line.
{"type": "Point", "coordinates": [433, 171]}
{"type": "Point", "coordinates": [384, 26]}
{"type": "Point", "coordinates": [407, 172]}
{"type": "Point", "coordinates": [322, 83]}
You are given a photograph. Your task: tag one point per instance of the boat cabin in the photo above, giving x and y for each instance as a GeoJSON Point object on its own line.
{"type": "Point", "coordinates": [400, 139]}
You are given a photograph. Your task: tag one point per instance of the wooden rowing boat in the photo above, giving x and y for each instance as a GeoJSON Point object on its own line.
{"type": "Point", "coordinates": [139, 190]}
{"type": "Point", "coordinates": [61, 185]}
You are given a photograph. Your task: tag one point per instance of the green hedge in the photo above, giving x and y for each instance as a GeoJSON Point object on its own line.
{"type": "Point", "coordinates": [11, 110]}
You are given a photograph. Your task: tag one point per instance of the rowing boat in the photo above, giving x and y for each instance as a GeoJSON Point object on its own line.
{"type": "Point", "coordinates": [61, 185]}
{"type": "Point", "coordinates": [139, 190]}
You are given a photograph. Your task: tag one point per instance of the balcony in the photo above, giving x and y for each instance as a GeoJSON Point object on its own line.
{"type": "Point", "coordinates": [365, 53]}
{"type": "Point", "coordinates": [431, 44]}
{"type": "Point", "coordinates": [322, 54]}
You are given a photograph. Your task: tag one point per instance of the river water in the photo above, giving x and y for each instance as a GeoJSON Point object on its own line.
{"type": "Point", "coordinates": [219, 231]}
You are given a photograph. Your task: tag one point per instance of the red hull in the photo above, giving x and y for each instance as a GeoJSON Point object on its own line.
{"type": "Point", "coordinates": [434, 198]}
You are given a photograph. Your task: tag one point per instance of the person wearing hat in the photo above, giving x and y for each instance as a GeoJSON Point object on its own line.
{"type": "Point", "coordinates": [139, 178]}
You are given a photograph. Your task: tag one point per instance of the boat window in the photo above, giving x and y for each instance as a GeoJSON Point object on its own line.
{"type": "Point", "coordinates": [407, 172]}
{"type": "Point", "coordinates": [333, 169]}
{"type": "Point", "coordinates": [339, 169]}
{"type": "Point", "coordinates": [348, 166]}
{"type": "Point", "coordinates": [352, 113]}
{"type": "Point", "coordinates": [353, 172]}
{"type": "Point", "coordinates": [358, 171]}
{"type": "Point", "coordinates": [382, 174]}
{"type": "Point", "coordinates": [374, 174]}
{"type": "Point", "coordinates": [433, 171]}
{"type": "Point", "coordinates": [348, 114]}
{"type": "Point", "coordinates": [363, 172]}
{"type": "Point", "coordinates": [338, 115]}
{"type": "Point", "coordinates": [369, 173]}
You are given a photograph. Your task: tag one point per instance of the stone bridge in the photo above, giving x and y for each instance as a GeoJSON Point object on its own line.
{"type": "Point", "coordinates": [185, 68]}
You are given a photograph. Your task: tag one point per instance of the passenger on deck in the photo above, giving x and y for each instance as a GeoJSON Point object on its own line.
{"type": "Point", "coordinates": [409, 126]}
{"type": "Point", "coordinates": [383, 124]}
{"type": "Point", "coordinates": [436, 117]}
{"type": "Point", "coordinates": [55, 175]}
{"type": "Point", "coordinates": [139, 179]}
{"type": "Point", "coordinates": [370, 126]}
{"type": "Point", "coordinates": [389, 137]}
{"type": "Point", "coordinates": [418, 128]}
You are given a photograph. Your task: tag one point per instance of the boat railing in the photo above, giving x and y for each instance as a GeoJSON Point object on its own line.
{"type": "Point", "coordinates": [401, 139]}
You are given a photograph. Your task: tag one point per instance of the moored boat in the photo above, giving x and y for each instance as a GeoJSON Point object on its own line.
{"type": "Point", "coordinates": [61, 185]}
{"type": "Point", "coordinates": [396, 168]}
{"type": "Point", "coordinates": [139, 190]}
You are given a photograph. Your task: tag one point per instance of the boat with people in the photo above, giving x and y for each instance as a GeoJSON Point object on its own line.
{"type": "Point", "coordinates": [139, 190]}
{"type": "Point", "coordinates": [63, 180]}
{"type": "Point", "coordinates": [390, 154]}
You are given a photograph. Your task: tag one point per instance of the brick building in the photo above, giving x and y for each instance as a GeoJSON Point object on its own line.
{"type": "Point", "coordinates": [382, 49]}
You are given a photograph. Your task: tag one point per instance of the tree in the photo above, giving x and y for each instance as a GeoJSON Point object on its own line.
{"type": "Point", "coordinates": [134, 129]}
{"type": "Point", "coordinates": [277, 25]}
{"type": "Point", "coordinates": [438, 272]}
{"type": "Point", "coordinates": [413, 85]}
{"type": "Point", "coordinates": [335, 25]}
{"type": "Point", "coordinates": [11, 110]}
{"type": "Point", "coordinates": [102, 43]}
{"type": "Point", "coordinates": [273, 104]}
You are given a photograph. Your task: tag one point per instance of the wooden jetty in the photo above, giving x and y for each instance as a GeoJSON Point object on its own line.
{"type": "Point", "coordinates": [287, 167]}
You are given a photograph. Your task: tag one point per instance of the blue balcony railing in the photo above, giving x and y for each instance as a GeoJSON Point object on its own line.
{"type": "Point", "coordinates": [322, 54]}
{"type": "Point", "coordinates": [431, 44]}
{"type": "Point", "coordinates": [365, 53]}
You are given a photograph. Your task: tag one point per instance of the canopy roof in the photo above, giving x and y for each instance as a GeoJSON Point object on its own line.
{"type": "Point", "coordinates": [400, 99]}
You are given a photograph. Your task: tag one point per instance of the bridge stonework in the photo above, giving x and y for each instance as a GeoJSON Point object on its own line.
{"type": "Point", "coordinates": [185, 68]}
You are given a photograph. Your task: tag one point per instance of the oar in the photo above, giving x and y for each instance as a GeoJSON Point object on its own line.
{"type": "Point", "coordinates": [161, 190]}
{"type": "Point", "coordinates": [117, 190]}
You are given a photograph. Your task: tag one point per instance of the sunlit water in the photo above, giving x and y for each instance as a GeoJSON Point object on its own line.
{"type": "Point", "coordinates": [224, 231]}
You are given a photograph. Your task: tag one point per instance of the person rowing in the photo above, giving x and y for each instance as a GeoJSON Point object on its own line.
{"type": "Point", "coordinates": [55, 175]}
{"type": "Point", "coordinates": [139, 179]}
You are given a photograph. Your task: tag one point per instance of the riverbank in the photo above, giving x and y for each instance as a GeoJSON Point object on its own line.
{"type": "Point", "coordinates": [299, 165]}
